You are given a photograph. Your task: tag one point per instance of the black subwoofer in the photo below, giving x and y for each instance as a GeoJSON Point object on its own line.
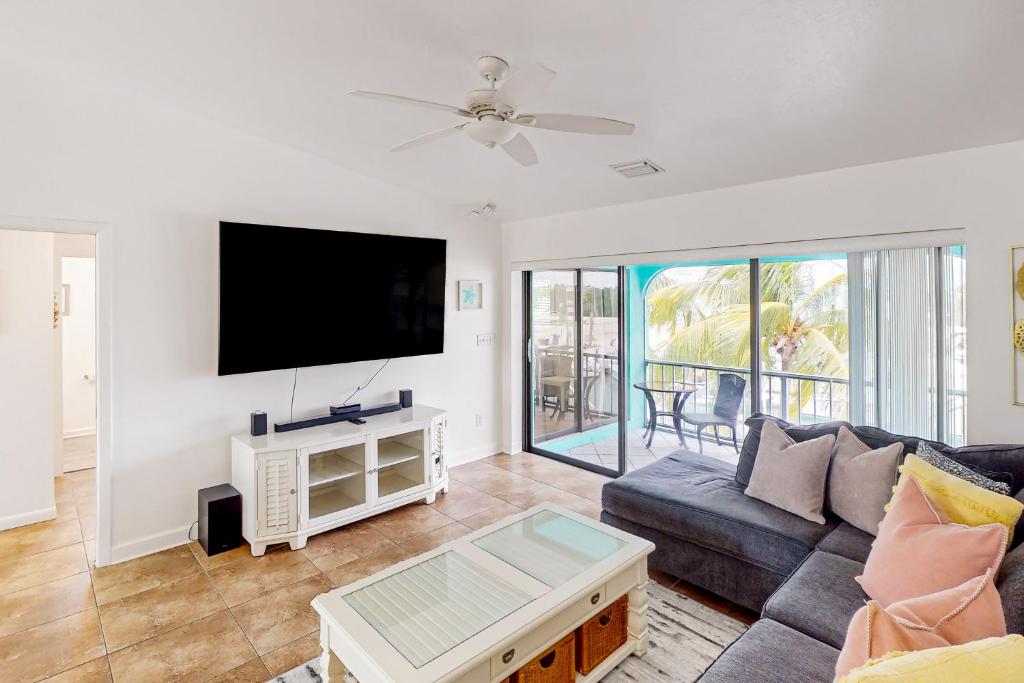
{"type": "Point", "coordinates": [220, 518]}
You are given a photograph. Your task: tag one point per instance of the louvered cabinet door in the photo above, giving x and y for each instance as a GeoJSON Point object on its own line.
{"type": "Point", "coordinates": [276, 510]}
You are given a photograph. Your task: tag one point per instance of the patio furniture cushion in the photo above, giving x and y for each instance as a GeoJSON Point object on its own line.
{"type": "Point", "coordinates": [820, 598]}
{"type": "Point", "coordinates": [707, 419]}
{"type": "Point", "coordinates": [770, 652]}
{"type": "Point", "coordinates": [748, 453]}
{"type": "Point", "coordinates": [848, 541]}
{"type": "Point", "coordinates": [697, 499]}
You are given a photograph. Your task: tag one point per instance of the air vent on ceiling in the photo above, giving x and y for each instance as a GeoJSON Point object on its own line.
{"type": "Point", "coordinates": [635, 169]}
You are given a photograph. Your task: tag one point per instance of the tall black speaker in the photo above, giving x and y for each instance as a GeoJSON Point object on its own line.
{"type": "Point", "coordinates": [220, 518]}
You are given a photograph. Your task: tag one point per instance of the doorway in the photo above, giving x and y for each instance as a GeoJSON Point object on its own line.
{"type": "Point", "coordinates": [48, 356]}
{"type": "Point", "coordinates": [574, 349]}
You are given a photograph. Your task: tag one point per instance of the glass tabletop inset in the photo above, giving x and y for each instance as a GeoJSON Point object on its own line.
{"type": "Point", "coordinates": [431, 607]}
{"type": "Point", "coordinates": [550, 547]}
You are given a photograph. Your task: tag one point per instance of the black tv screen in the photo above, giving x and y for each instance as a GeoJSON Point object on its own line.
{"type": "Point", "coordinates": [294, 297]}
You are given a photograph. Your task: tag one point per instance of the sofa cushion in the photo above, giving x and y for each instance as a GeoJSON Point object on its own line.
{"type": "Point", "coordinates": [696, 498]}
{"type": "Point", "coordinates": [770, 652]}
{"type": "Point", "coordinates": [848, 541]}
{"type": "Point", "coordinates": [748, 453]}
{"type": "Point", "coordinates": [1010, 584]}
{"type": "Point", "coordinates": [820, 598]}
{"type": "Point", "coordinates": [790, 475]}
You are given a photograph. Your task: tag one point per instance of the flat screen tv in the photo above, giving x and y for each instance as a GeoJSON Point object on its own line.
{"type": "Point", "coordinates": [294, 297]}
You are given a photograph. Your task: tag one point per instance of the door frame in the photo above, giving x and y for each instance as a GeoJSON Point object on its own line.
{"type": "Point", "coordinates": [528, 369]}
{"type": "Point", "coordinates": [104, 233]}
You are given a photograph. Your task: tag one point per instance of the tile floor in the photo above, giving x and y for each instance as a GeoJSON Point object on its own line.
{"type": "Point", "coordinates": [180, 615]}
{"type": "Point", "coordinates": [79, 453]}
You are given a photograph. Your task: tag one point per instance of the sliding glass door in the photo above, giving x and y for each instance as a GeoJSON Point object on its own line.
{"type": "Point", "coordinates": [574, 334]}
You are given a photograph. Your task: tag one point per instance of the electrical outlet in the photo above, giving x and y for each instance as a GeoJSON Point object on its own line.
{"type": "Point", "coordinates": [479, 420]}
{"type": "Point", "coordinates": [485, 339]}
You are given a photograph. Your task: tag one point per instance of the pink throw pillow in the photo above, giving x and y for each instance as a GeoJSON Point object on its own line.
{"type": "Point", "coordinates": [970, 611]}
{"type": "Point", "coordinates": [918, 551]}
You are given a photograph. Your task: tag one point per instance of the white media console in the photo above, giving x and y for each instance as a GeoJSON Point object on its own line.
{"type": "Point", "coordinates": [300, 483]}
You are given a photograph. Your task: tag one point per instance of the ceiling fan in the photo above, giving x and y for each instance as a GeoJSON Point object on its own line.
{"type": "Point", "coordinates": [494, 112]}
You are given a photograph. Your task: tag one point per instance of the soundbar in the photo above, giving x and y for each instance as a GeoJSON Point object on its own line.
{"type": "Point", "coordinates": [346, 416]}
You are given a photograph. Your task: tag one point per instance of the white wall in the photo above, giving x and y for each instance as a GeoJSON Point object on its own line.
{"type": "Point", "coordinates": [78, 347]}
{"type": "Point", "coordinates": [26, 378]}
{"type": "Point", "coordinates": [977, 189]}
{"type": "Point", "coordinates": [163, 180]}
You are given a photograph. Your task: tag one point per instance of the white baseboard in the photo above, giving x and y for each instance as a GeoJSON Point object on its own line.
{"type": "Point", "coordinates": [84, 431]}
{"type": "Point", "coordinates": [472, 454]}
{"type": "Point", "coordinates": [149, 544]}
{"type": "Point", "coordinates": [24, 518]}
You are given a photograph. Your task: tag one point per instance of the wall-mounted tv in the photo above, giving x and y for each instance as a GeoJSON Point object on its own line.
{"type": "Point", "coordinates": [295, 297]}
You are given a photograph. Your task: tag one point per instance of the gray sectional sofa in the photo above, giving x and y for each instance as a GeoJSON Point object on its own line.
{"type": "Point", "coordinates": [798, 574]}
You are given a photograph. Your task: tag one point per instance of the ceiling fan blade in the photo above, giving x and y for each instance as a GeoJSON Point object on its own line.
{"type": "Point", "coordinates": [429, 137]}
{"type": "Point", "coordinates": [520, 149]}
{"type": "Point", "coordinates": [574, 123]}
{"type": "Point", "coordinates": [400, 99]}
{"type": "Point", "coordinates": [526, 83]}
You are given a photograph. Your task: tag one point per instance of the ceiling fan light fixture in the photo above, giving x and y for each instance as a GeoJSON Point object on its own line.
{"type": "Point", "coordinates": [491, 130]}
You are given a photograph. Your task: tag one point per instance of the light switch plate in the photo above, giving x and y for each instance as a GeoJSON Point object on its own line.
{"type": "Point", "coordinates": [485, 339]}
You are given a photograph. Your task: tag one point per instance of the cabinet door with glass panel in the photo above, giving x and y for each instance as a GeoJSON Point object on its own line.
{"type": "Point", "coordinates": [400, 463]}
{"type": "Point", "coordinates": [335, 481]}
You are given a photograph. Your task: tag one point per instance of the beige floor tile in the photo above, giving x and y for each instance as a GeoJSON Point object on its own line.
{"type": "Point", "coordinates": [463, 501]}
{"type": "Point", "coordinates": [18, 573]}
{"type": "Point", "coordinates": [88, 525]}
{"type": "Point", "coordinates": [196, 652]}
{"type": "Point", "coordinates": [491, 515]}
{"type": "Point", "coordinates": [51, 648]}
{"type": "Point", "coordinates": [502, 484]}
{"type": "Point", "coordinates": [66, 509]}
{"type": "Point", "coordinates": [62, 488]}
{"type": "Point", "coordinates": [90, 552]}
{"type": "Point", "coordinates": [158, 610]}
{"type": "Point", "coordinates": [80, 453]}
{"type": "Point", "coordinates": [251, 672]}
{"type": "Point", "coordinates": [82, 477]}
{"type": "Point", "coordinates": [86, 505]}
{"type": "Point", "coordinates": [47, 602]}
{"type": "Point", "coordinates": [96, 671]}
{"type": "Point", "coordinates": [253, 576]}
{"type": "Point", "coordinates": [293, 654]}
{"type": "Point", "coordinates": [117, 581]}
{"type": "Point", "coordinates": [583, 484]}
{"type": "Point", "coordinates": [282, 616]}
{"type": "Point", "coordinates": [432, 539]}
{"type": "Point", "coordinates": [333, 548]}
{"type": "Point", "coordinates": [403, 523]}
{"type": "Point", "coordinates": [583, 506]}
{"type": "Point", "coordinates": [220, 559]}
{"type": "Point", "coordinates": [365, 566]}
{"type": "Point", "coordinates": [37, 538]}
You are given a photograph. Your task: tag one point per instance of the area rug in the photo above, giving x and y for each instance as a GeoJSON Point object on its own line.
{"type": "Point", "coordinates": [686, 637]}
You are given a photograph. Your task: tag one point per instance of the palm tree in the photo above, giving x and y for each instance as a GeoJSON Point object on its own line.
{"type": "Point", "coordinates": [804, 324]}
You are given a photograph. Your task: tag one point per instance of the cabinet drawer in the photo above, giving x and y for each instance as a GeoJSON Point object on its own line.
{"type": "Point", "coordinates": [601, 635]}
{"type": "Point", "coordinates": [515, 653]}
{"type": "Point", "coordinates": [555, 665]}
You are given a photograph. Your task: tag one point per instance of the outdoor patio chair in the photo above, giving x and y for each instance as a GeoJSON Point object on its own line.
{"type": "Point", "coordinates": [727, 407]}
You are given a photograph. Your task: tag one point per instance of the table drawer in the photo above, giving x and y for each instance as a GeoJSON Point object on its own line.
{"type": "Point", "coordinates": [512, 656]}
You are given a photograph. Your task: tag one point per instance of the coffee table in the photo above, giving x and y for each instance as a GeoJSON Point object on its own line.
{"type": "Point", "coordinates": [476, 609]}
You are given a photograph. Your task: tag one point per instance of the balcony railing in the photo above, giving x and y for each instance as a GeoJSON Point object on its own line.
{"type": "Point", "coordinates": [795, 397]}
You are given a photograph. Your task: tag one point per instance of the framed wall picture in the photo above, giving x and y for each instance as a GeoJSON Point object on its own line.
{"type": "Point", "coordinates": [471, 295]}
{"type": "Point", "coordinates": [1017, 321]}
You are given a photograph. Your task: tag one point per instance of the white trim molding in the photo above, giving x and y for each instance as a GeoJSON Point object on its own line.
{"type": "Point", "coordinates": [24, 518]}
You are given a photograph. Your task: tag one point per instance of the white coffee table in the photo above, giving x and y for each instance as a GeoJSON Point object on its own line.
{"type": "Point", "coordinates": [476, 609]}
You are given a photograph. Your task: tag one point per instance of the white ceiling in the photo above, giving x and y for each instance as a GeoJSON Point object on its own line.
{"type": "Point", "coordinates": [723, 92]}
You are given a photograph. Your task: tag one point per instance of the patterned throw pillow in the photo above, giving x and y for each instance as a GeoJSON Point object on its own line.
{"type": "Point", "coordinates": [950, 466]}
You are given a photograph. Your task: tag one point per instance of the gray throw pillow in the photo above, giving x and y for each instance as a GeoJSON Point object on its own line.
{"type": "Point", "coordinates": [791, 475]}
{"type": "Point", "coordinates": [861, 480]}
{"type": "Point", "coordinates": [950, 466]}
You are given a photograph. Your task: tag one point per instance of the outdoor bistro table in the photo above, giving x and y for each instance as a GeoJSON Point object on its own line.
{"type": "Point", "coordinates": [680, 392]}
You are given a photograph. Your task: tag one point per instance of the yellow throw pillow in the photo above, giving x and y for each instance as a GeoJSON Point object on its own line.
{"type": "Point", "coordinates": [991, 660]}
{"type": "Point", "coordinates": [963, 502]}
